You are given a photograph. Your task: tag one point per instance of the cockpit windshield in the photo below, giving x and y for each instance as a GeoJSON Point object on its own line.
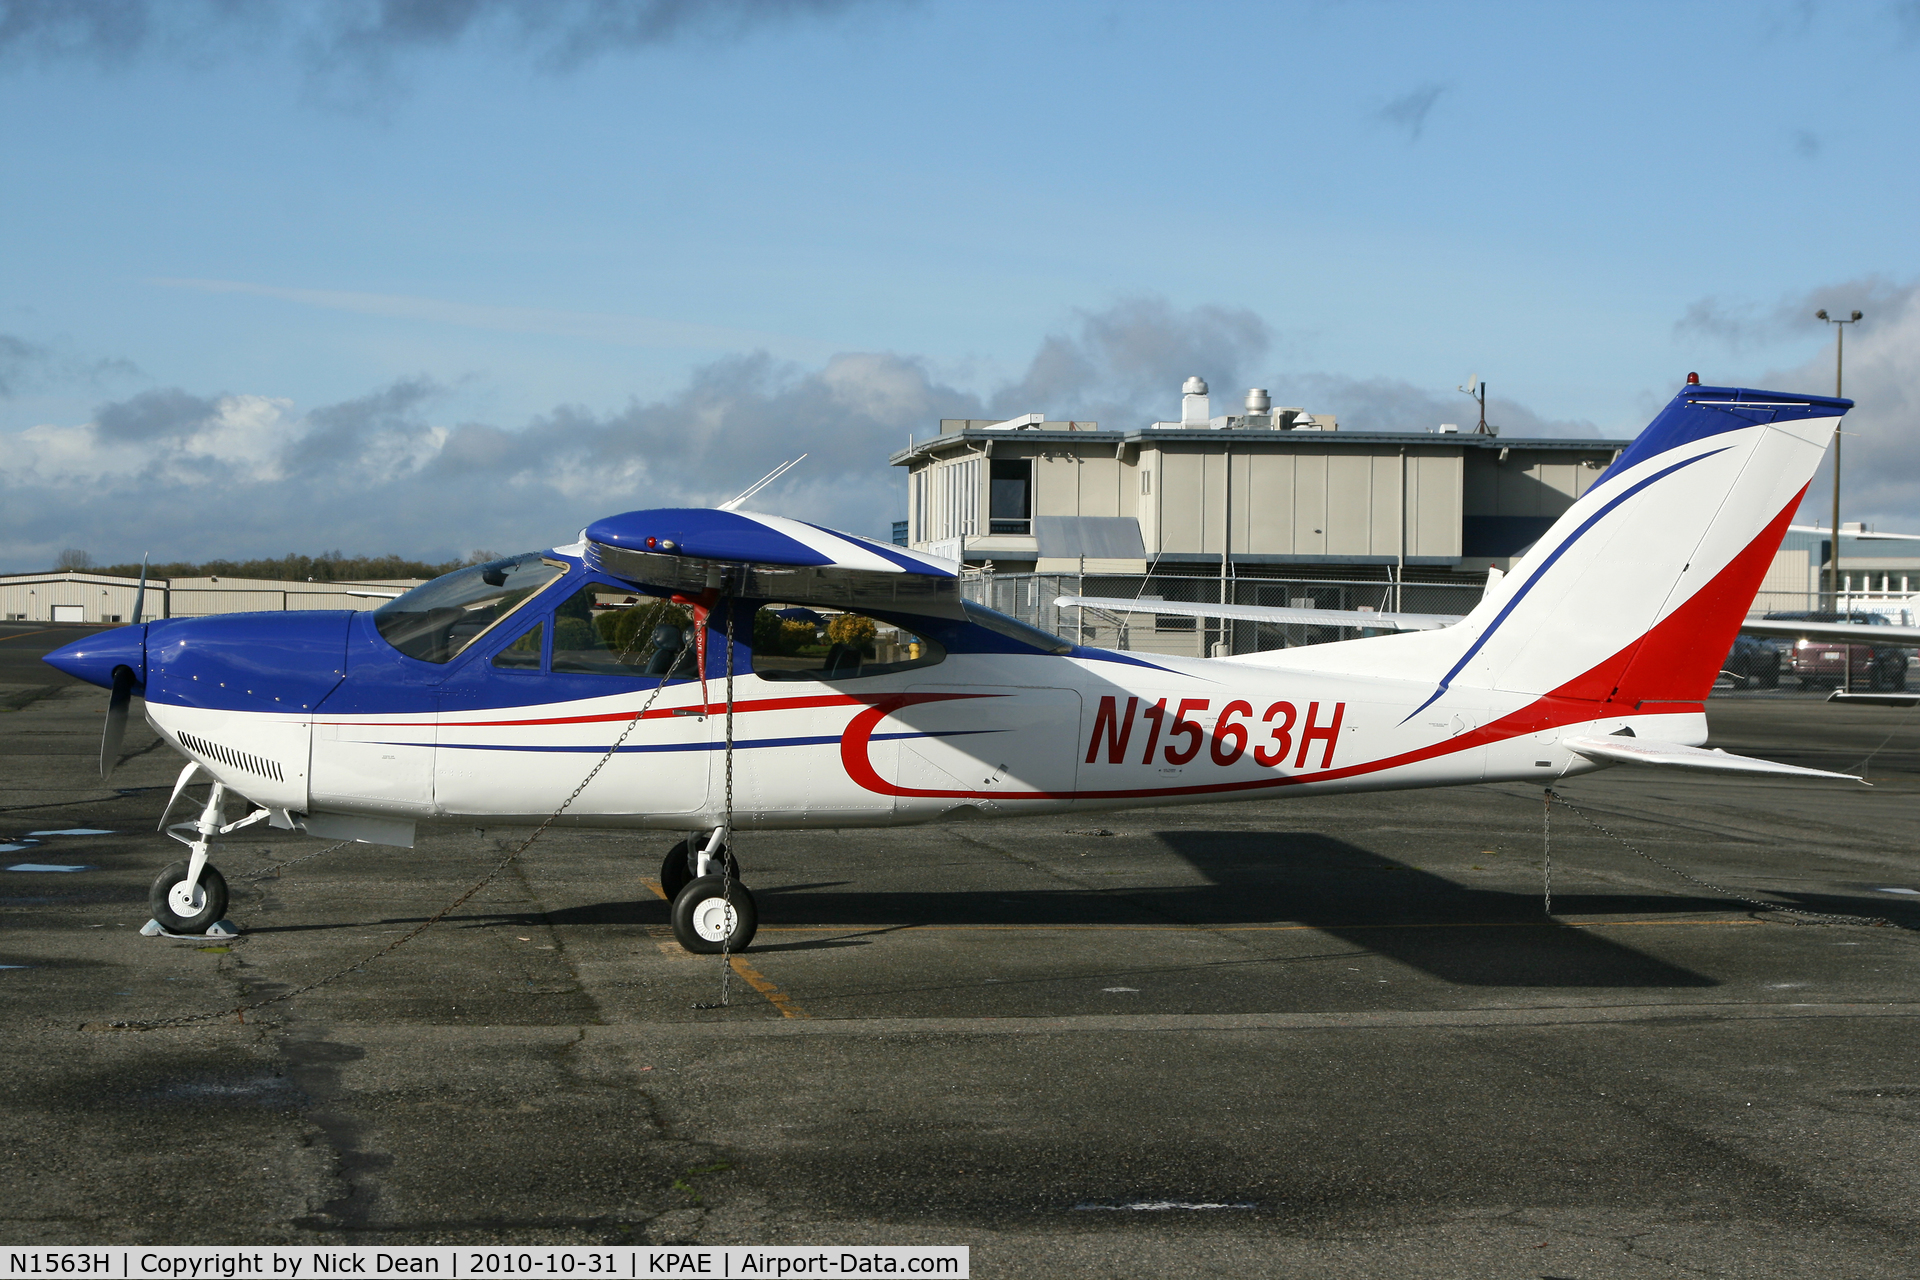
{"type": "Point", "coordinates": [434, 622]}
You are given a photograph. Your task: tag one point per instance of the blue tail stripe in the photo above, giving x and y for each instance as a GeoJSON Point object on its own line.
{"type": "Point", "coordinates": [1541, 572]}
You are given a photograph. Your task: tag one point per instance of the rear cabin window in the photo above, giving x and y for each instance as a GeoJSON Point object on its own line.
{"type": "Point", "coordinates": [603, 630]}
{"type": "Point", "coordinates": [794, 642]}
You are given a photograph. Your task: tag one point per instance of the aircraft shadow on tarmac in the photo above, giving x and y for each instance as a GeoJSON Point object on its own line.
{"type": "Point", "coordinates": [1456, 933]}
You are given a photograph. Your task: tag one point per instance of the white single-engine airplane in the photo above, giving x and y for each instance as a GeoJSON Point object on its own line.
{"type": "Point", "coordinates": [834, 681]}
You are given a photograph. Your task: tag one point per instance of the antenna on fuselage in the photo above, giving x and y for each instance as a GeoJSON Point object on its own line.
{"type": "Point", "coordinates": [765, 480]}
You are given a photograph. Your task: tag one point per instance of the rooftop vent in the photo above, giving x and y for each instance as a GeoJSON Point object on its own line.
{"type": "Point", "coordinates": [1195, 409]}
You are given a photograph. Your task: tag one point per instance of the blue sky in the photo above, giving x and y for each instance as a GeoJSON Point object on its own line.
{"type": "Point", "coordinates": [443, 274]}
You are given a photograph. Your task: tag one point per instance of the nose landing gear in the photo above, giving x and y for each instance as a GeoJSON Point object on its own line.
{"type": "Point", "coordinates": [180, 906]}
{"type": "Point", "coordinates": [191, 897]}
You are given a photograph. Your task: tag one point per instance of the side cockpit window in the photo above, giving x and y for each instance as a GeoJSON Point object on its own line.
{"type": "Point", "coordinates": [435, 622]}
{"type": "Point", "coordinates": [793, 642]}
{"type": "Point", "coordinates": [605, 630]}
{"type": "Point", "coordinates": [524, 653]}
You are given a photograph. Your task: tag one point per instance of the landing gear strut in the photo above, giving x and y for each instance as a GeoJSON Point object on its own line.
{"type": "Point", "coordinates": [191, 896]}
{"type": "Point", "coordinates": [712, 910]}
{"type": "Point", "coordinates": [679, 866]}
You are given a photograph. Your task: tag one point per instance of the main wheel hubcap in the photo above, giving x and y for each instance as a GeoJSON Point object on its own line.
{"type": "Point", "coordinates": [713, 919]}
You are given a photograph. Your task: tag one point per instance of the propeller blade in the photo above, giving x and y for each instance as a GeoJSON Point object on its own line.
{"type": "Point", "coordinates": [116, 730]}
{"type": "Point", "coordinates": [140, 596]}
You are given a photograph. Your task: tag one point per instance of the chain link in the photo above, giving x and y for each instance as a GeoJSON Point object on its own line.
{"type": "Point", "coordinates": [274, 868]}
{"type": "Point", "coordinates": [726, 853]}
{"type": "Point", "coordinates": [241, 1011]}
{"type": "Point", "coordinates": [1546, 850]}
{"type": "Point", "coordinates": [1826, 916]}
{"type": "Point", "coordinates": [726, 864]}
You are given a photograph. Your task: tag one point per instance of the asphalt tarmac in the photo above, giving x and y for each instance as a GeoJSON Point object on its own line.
{"type": "Point", "coordinates": [1346, 1023]}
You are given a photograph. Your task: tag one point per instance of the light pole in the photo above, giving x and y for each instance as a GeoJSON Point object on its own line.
{"type": "Point", "coordinates": [1839, 364]}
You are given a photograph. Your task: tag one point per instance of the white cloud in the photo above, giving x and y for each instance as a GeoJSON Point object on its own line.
{"type": "Point", "coordinates": [240, 439]}
{"type": "Point", "coordinates": [1880, 477]}
{"type": "Point", "coordinates": [195, 477]}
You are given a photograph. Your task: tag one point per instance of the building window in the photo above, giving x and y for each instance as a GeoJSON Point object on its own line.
{"type": "Point", "coordinates": [949, 505]}
{"type": "Point", "coordinates": [1010, 498]}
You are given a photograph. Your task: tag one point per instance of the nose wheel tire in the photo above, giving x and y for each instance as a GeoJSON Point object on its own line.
{"type": "Point", "coordinates": [703, 917]}
{"type": "Point", "coordinates": [180, 911]}
{"type": "Point", "coordinates": [677, 869]}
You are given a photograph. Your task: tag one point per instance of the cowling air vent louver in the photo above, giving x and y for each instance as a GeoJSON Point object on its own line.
{"type": "Point", "coordinates": [259, 766]}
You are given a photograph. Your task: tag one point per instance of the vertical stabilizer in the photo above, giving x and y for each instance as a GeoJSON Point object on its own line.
{"type": "Point", "coordinates": [1635, 594]}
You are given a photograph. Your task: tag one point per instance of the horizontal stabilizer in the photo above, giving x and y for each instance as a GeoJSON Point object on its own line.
{"type": "Point", "coordinates": [1671, 755]}
{"type": "Point", "coordinates": [1269, 613]}
{"type": "Point", "coordinates": [1837, 632]}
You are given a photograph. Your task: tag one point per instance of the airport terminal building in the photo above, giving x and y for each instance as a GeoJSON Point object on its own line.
{"type": "Point", "coordinates": [1264, 506]}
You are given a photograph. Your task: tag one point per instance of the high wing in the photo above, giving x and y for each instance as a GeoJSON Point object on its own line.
{"type": "Point", "coordinates": [699, 549]}
{"type": "Point", "coordinates": [1784, 628]}
{"type": "Point", "coordinates": [1838, 632]}
{"type": "Point", "coordinates": [1857, 535]}
{"type": "Point", "coordinates": [1269, 613]}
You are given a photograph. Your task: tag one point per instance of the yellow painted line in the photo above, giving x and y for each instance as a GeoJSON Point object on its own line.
{"type": "Point", "coordinates": [654, 885]}
{"type": "Point", "coordinates": [775, 997]}
{"type": "Point", "coordinates": [22, 635]}
{"type": "Point", "coordinates": [1238, 928]}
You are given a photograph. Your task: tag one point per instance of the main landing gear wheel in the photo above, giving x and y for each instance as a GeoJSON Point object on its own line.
{"type": "Point", "coordinates": [677, 869]}
{"type": "Point", "coordinates": [702, 919]}
{"type": "Point", "coordinates": [179, 911]}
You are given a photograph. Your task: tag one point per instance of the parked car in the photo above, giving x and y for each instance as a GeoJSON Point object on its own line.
{"type": "Point", "coordinates": [1826, 664]}
{"type": "Point", "coordinates": [1752, 663]}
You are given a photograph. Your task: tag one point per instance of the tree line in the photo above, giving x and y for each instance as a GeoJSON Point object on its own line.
{"type": "Point", "coordinates": [328, 566]}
